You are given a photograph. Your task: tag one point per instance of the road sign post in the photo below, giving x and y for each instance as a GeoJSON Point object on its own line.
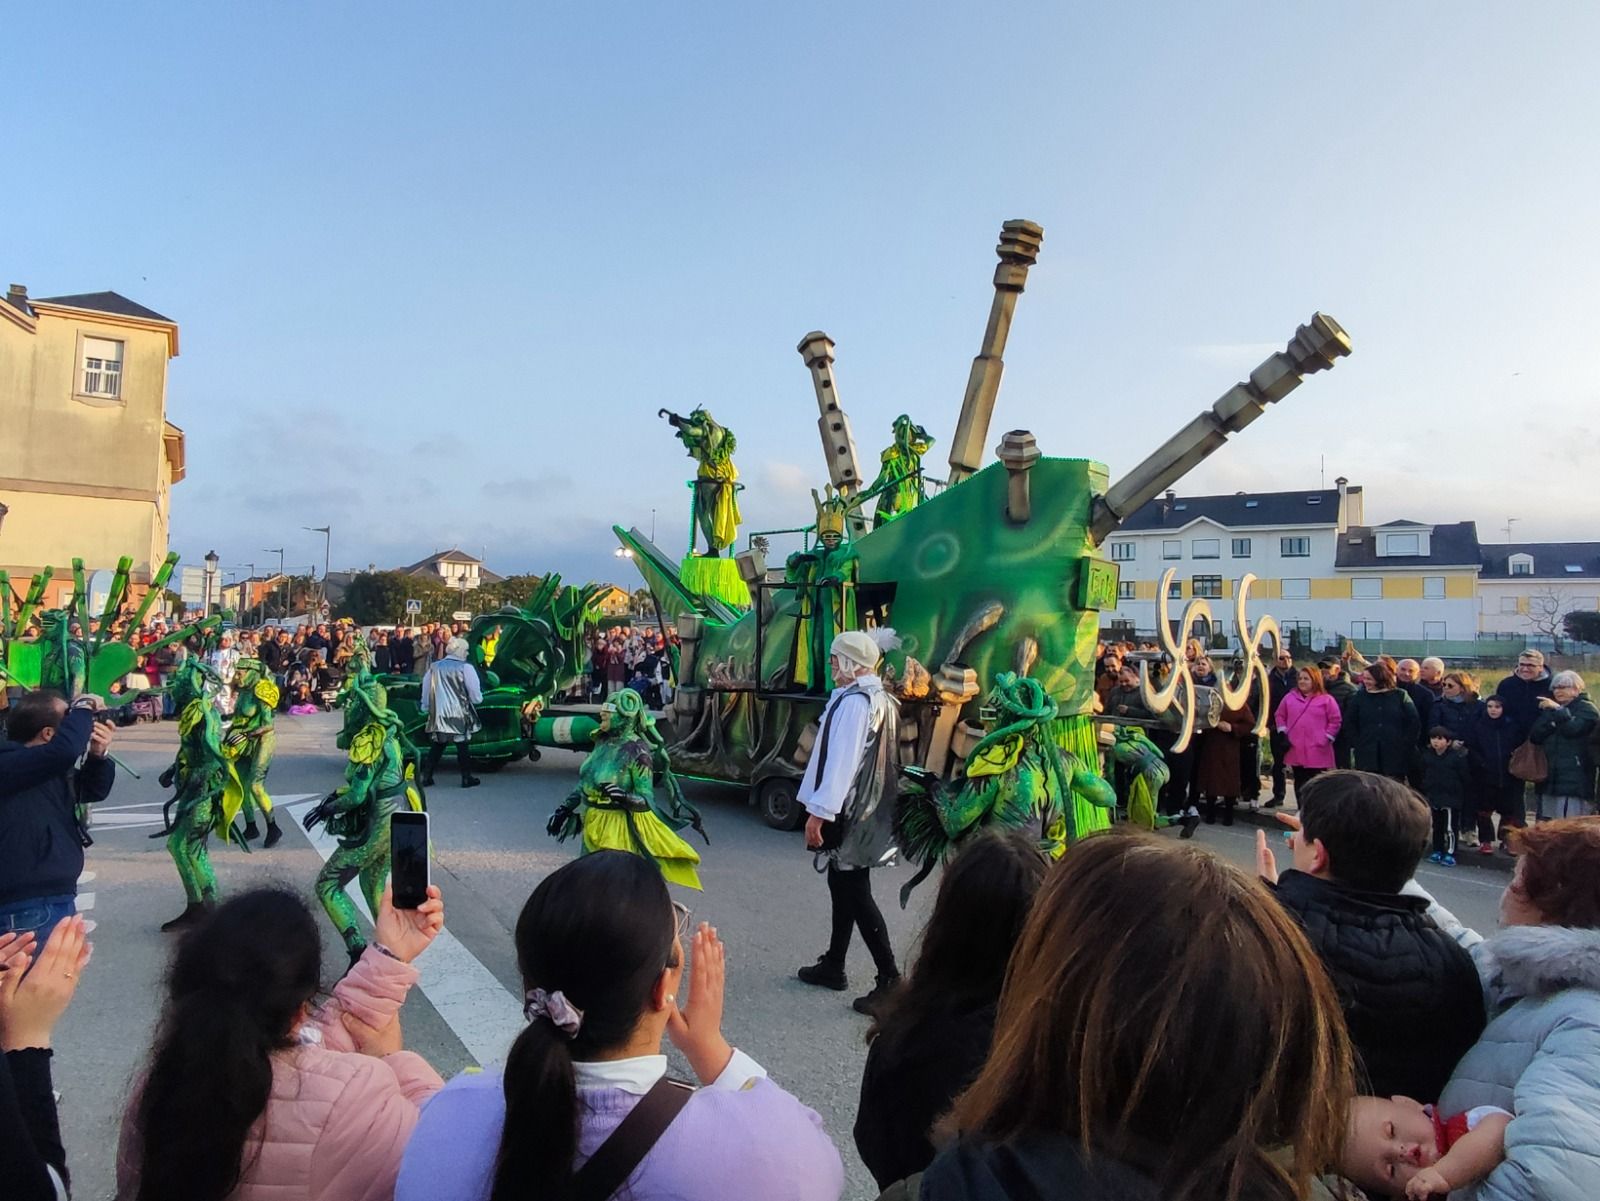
{"type": "Point", "coordinates": [413, 607]}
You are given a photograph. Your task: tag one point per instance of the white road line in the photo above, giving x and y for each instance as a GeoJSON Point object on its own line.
{"type": "Point", "coordinates": [121, 808]}
{"type": "Point", "coordinates": [474, 1004]}
{"type": "Point", "coordinates": [85, 901]}
{"type": "Point", "coordinates": [86, 878]}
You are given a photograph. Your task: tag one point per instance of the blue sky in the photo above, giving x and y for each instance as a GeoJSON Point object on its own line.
{"type": "Point", "coordinates": [436, 267]}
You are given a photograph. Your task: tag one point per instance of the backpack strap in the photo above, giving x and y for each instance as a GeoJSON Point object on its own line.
{"type": "Point", "coordinates": [625, 1148]}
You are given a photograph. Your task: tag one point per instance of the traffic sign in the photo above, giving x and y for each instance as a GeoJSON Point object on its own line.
{"type": "Point", "coordinates": [461, 615]}
{"type": "Point", "coordinates": [413, 606]}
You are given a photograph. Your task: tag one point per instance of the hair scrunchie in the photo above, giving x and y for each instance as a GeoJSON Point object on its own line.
{"type": "Point", "coordinates": [555, 1009]}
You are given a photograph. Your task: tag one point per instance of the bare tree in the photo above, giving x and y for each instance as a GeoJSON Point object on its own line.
{"type": "Point", "coordinates": [1547, 611]}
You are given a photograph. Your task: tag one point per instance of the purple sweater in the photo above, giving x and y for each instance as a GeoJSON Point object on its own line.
{"type": "Point", "coordinates": [726, 1145]}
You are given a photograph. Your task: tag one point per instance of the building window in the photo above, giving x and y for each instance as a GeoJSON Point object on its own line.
{"type": "Point", "coordinates": [1208, 586]}
{"type": "Point", "coordinates": [102, 368]}
{"type": "Point", "coordinates": [1402, 544]}
{"type": "Point", "coordinates": [1124, 552]}
{"type": "Point", "coordinates": [1296, 589]}
{"type": "Point", "coordinates": [1433, 631]}
{"type": "Point", "coordinates": [1508, 604]}
{"type": "Point", "coordinates": [1433, 587]}
{"type": "Point", "coordinates": [1125, 590]}
{"type": "Point", "coordinates": [1294, 548]}
{"type": "Point", "coordinates": [1366, 629]}
{"type": "Point", "coordinates": [1241, 548]}
{"type": "Point", "coordinates": [1206, 548]}
{"type": "Point", "coordinates": [1366, 588]}
{"type": "Point", "coordinates": [1175, 590]}
{"type": "Point", "coordinates": [1521, 564]}
{"type": "Point", "coordinates": [1172, 550]}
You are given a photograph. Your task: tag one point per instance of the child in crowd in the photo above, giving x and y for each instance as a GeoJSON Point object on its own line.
{"type": "Point", "coordinates": [1493, 738]}
{"type": "Point", "coordinates": [1396, 1144]}
{"type": "Point", "coordinates": [1446, 783]}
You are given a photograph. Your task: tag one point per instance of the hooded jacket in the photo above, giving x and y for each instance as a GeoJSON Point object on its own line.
{"type": "Point", "coordinates": [41, 846]}
{"type": "Point", "coordinates": [1521, 699]}
{"type": "Point", "coordinates": [1490, 743]}
{"type": "Point", "coordinates": [1381, 729]}
{"type": "Point", "coordinates": [1564, 732]}
{"type": "Point", "coordinates": [1537, 1058]}
{"type": "Point", "coordinates": [1446, 778]}
{"type": "Point", "coordinates": [1409, 992]}
{"type": "Point", "coordinates": [337, 1121]}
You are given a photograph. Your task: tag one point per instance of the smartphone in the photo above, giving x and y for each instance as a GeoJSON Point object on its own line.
{"type": "Point", "coordinates": [408, 856]}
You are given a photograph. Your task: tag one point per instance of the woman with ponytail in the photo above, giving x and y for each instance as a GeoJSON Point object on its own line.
{"type": "Point", "coordinates": [601, 950]}
{"type": "Point", "coordinates": [250, 1094]}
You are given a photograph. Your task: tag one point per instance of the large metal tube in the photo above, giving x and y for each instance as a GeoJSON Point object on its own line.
{"type": "Point", "coordinates": [1018, 250]}
{"type": "Point", "coordinates": [838, 444]}
{"type": "Point", "coordinates": [1316, 346]}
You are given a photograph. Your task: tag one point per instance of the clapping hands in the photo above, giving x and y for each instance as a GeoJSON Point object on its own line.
{"type": "Point", "coordinates": [33, 1000]}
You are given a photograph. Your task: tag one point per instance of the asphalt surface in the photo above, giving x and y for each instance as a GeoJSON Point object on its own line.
{"type": "Point", "coordinates": [761, 892]}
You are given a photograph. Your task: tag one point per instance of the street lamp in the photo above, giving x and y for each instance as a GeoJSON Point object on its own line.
{"type": "Point", "coordinates": [276, 550]}
{"type": "Point", "coordinates": [327, 545]}
{"type": "Point", "coordinates": [244, 589]}
{"type": "Point", "coordinates": [212, 560]}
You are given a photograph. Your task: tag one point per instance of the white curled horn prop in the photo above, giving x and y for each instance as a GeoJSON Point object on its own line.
{"type": "Point", "coordinates": [1162, 699]}
{"type": "Point", "coordinates": [1255, 668]}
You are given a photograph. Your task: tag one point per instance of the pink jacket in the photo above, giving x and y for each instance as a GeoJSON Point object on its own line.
{"type": "Point", "coordinates": [1311, 723]}
{"type": "Point", "coordinates": [337, 1121]}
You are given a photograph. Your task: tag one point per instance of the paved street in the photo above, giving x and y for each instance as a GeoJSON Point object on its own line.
{"type": "Point", "coordinates": [491, 848]}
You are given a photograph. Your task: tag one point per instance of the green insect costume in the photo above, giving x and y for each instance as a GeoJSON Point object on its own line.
{"type": "Point", "coordinates": [899, 484]}
{"type": "Point", "coordinates": [1147, 772]}
{"type": "Point", "coordinates": [377, 782]}
{"type": "Point", "coordinates": [716, 493]}
{"type": "Point", "coordinates": [615, 807]}
{"type": "Point", "coordinates": [250, 742]}
{"type": "Point", "coordinates": [62, 663]}
{"type": "Point", "coordinates": [209, 794]}
{"type": "Point", "coordinates": [1017, 776]}
{"type": "Point", "coordinates": [824, 580]}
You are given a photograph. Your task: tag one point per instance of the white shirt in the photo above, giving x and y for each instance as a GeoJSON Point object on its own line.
{"type": "Point", "coordinates": [847, 739]}
{"type": "Point", "coordinates": [640, 1073]}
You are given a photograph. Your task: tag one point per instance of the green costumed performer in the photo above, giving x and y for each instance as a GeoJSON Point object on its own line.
{"type": "Point", "coordinates": [899, 483]}
{"type": "Point", "coordinates": [377, 782]}
{"type": "Point", "coordinates": [615, 807]}
{"type": "Point", "coordinates": [1148, 773]}
{"type": "Point", "coordinates": [825, 583]}
{"type": "Point", "coordinates": [1016, 777]}
{"type": "Point", "coordinates": [716, 499]}
{"type": "Point", "coordinates": [208, 795]}
{"type": "Point", "coordinates": [250, 742]}
{"type": "Point", "coordinates": [62, 663]}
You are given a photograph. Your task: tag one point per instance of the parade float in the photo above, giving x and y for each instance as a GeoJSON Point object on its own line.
{"type": "Point", "coordinates": [990, 576]}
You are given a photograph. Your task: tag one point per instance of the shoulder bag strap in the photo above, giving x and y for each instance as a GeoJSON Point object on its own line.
{"type": "Point", "coordinates": [625, 1148]}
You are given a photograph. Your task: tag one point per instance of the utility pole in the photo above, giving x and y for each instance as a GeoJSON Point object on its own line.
{"type": "Point", "coordinates": [278, 550]}
{"type": "Point", "coordinates": [327, 546]}
{"type": "Point", "coordinates": [1510, 521]}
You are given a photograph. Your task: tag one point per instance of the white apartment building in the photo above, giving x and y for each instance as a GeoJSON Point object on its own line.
{"type": "Point", "coordinates": [1522, 581]}
{"type": "Point", "coordinates": [1321, 572]}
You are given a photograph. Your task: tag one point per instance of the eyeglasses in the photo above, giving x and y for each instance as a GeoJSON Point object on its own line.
{"type": "Point", "coordinates": [683, 920]}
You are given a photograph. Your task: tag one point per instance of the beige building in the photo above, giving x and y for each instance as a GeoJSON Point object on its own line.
{"type": "Point", "coordinates": [87, 458]}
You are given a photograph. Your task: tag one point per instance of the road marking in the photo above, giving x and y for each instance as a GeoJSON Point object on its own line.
{"type": "Point", "coordinates": [474, 1004]}
{"type": "Point", "coordinates": [85, 901]}
{"type": "Point", "coordinates": [86, 878]}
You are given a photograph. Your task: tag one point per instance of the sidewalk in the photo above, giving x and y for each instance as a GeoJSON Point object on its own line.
{"type": "Point", "coordinates": [1467, 856]}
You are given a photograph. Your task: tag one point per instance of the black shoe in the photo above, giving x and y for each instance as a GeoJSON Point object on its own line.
{"type": "Point", "coordinates": [193, 914]}
{"type": "Point", "coordinates": [1190, 822]}
{"type": "Point", "coordinates": [471, 782]}
{"type": "Point", "coordinates": [872, 1003]}
{"type": "Point", "coordinates": [251, 830]}
{"type": "Point", "coordinates": [1227, 814]}
{"type": "Point", "coordinates": [274, 834]}
{"type": "Point", "coordinates": [824, 973]}
{"type": "Point", "coordinates": [1274, 803]}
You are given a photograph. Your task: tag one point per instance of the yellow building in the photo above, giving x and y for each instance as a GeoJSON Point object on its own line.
{"type": "Point", "coordinates": [87, 456]}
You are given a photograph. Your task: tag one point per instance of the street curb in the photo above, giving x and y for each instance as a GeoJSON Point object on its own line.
{"type": "Point", "coordinates": [1470, 858]}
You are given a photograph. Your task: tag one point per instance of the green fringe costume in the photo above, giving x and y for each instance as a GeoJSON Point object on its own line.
{"type": "Point", "coordinates": [252, 737]}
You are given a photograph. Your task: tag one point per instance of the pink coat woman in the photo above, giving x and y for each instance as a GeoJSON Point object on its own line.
{"type": "Point", "coordinates": [1310, 723]}
{"type": "Point", "coordinates": [342, 1098]}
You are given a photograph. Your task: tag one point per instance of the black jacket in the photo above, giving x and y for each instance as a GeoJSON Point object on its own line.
{"type": "Point", "coordinates": [41, 847]}
{"type": "Point", "coordinates": [1446, 778]}
{"type": "Point", "coordinates": [913, 1073]}
{"type": "Point", "coordinates": [1456, 716]}
{"type": "Point", "coordinates": [1382, 731]}
{"type": "Point", "coordinates": [1410, 993]}
{"type": "Point", "coordinates": [1279, 685]}
{"type": "Point", "coordinates": [1422, 697]}
{"type": "Point", "coordinates": [1521, 699]}
{"type": "Point", "coordinates": [1038, 1168]}
{"type": "Point", "coordinates": [1490, 744]}
{"type": "Point", "coordinates": [402, 657]}
{"type": "Point", "coordinates": [1565, 734]}
{"type": "Point", "coordinates": [30, 1133]}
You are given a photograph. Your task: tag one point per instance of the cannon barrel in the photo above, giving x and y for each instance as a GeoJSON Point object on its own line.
{"type": "Point", "coordinates": [1316, 346]}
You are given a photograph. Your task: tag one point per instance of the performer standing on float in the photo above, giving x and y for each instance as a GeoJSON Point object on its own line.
{"type": "Point", "coordinates": [251, 739]}
{"type": "Point", "coordinates": [849, 791]}
{"type": "Point", "coordinates": [450, 696]}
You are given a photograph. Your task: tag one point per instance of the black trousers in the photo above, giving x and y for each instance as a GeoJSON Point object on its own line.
{"type": "Point", "coordinates": [1249, 768]}
{"type": "Point", "coordinates": [854, 908]}
{"type": "Point", "coordinates": [436, 753]}
{"type": "Point", "coordinates": [1304, 776]}
{"type": "Point", "coordinates": [1444, 832]}
{"type": "Point", "coordinates": [1280, 748]}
